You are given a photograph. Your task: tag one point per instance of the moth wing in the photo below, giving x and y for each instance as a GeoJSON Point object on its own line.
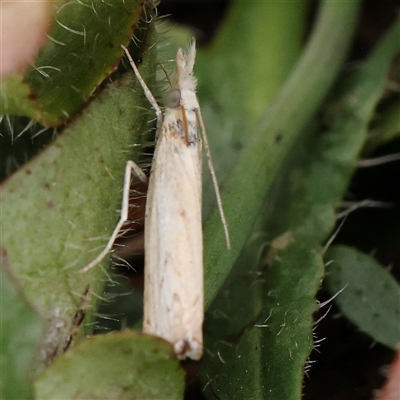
{"type": "Point", "coordinates": [174, 248]}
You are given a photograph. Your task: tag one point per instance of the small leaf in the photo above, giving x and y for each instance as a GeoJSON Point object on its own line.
{"type": "Point", "coordinates": [121, 365]}
{"type": "Point", "coordinates": [370, 297]}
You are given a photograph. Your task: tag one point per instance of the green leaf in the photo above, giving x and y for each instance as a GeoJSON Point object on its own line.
{"type": "Point", "coordinates": [60, 208]}
{"type": "Point", "coordinates": [21, 329]}
{"type": "Point", "coordinates": [237, 82]}
{"type": "Point", "coordinates": [269, 142]}
{"type": "Point", "coordinates": [259, 327]}
{"type": "Point", "coordinates": [82, 49]}
{"type": "Point", "coordinates": [120, 365]}
{"type": "Point", "coordinates": [369, 297]}
{"type": "Point", "coordinates": [258, 330]}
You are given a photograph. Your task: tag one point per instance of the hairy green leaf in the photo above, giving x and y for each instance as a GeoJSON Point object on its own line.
{"type": "Point", "coordinates": [119, 365]}
{"type": "Point", "coordinates": [82, 49]}
{"type": "Point", "coordinates": [60, 208]}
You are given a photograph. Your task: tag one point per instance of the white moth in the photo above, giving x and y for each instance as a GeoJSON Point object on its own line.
{"type": "Point", "coordinates": [173, 293]}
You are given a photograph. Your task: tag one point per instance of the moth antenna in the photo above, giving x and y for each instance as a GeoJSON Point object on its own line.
{"type": "Point", "coordinates": [166, 74]}
{"type": "Point", "coordinates": [214, 178]}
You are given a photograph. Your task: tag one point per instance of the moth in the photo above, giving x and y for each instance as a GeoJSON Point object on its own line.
{"type": "Point", "coordinates": [173, 292]}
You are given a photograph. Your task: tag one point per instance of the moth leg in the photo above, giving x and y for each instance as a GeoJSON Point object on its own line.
{"type": "Point", "coordinates": [146, 90]}
{"type": "Point", "coordinates": [130, 167]}
{"type": "Point", "coordinates": [214, 178]}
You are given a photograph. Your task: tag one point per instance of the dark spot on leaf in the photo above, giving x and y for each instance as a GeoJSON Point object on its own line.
{"type": "Point", "coordinates": [278, 138]}
{"type": "Point", "coordinates": [50, 204]}
{"type": "Point", "coordinates": [32, 96]}
{"type": "Point", "coordinates": [47, 185]}
{"type": "Point", "coordinates": [28, 171]}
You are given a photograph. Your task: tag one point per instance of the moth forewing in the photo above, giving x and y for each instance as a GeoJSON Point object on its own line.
{"type": "Point", "coordinates": [173, 295]}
